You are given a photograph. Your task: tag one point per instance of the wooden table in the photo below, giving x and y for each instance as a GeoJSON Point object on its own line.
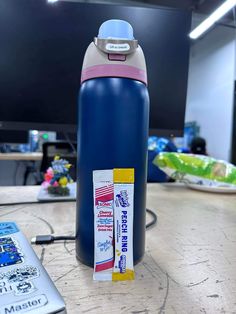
{"type": "Point", "coordinates": [22, 156]}
{"type": "Point", "coordinates": [189, 265]}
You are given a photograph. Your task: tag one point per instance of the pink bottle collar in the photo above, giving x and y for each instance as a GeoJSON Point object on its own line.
{"type": "Point", "coordinates": [114, 70]}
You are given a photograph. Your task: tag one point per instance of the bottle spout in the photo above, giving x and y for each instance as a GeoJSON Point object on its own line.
{"type": "Point", "coordinates": [116, 29]}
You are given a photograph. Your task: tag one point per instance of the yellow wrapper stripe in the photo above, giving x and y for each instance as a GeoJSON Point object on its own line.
{"type": "Point", "coordinates": [123, 221]}
{"type": "Point", "coordinates": [125, 175]}
{"type": "Point", "coordinates": [128, 275]}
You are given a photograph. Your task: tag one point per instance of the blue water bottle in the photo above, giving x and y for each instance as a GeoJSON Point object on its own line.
{"type": "Point", "coordinates": [112, 127]}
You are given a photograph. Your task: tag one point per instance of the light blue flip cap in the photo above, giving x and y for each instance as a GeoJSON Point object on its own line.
{"type": "Point", "coordinates": [116, 29]}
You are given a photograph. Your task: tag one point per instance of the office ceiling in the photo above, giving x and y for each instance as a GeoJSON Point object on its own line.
{"type": "Point", "coordinates": [196, 6]}
{"type": "Point", "coordinates": [199, 6]}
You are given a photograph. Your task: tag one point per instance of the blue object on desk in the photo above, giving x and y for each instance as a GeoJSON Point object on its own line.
{"type": "Point", "coordinates": [8, 228]}
{"type": "Point", "coordinates": [155, 146]}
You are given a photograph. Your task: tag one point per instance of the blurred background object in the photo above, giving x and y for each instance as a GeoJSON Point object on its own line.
{"type": "Point", "coordinates": [155, 146]}
{"type": "Point", "coordinates": [198, 146]}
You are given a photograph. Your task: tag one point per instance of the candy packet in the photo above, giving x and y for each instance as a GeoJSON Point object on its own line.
{"type": "Point", "coordinates": [103, 224]}
{"type": "Point", "coordinates": [123, 224]}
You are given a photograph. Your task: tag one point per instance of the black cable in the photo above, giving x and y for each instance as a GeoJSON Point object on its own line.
{"type": "Point", "coordinates": [60, 238]}
{"type": "Point", "coordinates": [36, 202]}
{"type": "Point", "coordinates": [154, 218]}
{"type": "Point", "coordinates": [46, 239]}
{"type": "Point", "coordinates": [150, 224]}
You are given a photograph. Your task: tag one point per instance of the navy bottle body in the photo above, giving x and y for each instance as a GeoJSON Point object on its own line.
{"type": "Point", "coordinates": [113, 133]}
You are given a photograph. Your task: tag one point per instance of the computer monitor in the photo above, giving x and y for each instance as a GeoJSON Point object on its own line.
{"type": "Point", "coordinates": [41, 55]}
{"type": "Point", "coordinates": [14, 137]}
{"type": "Point", "coordinates": [66, 136]}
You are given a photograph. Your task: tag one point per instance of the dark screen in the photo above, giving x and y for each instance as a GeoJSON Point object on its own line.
{"type": "Point", "coordinates": [72, 137]}
{"type": "Point", "coordinates": [41, 55]}
{"type": "Point", "coordinates": [14, 136]}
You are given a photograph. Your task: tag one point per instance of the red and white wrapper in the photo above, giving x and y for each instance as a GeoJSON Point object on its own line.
{"type": "Point", "coordinates": [103, 190]}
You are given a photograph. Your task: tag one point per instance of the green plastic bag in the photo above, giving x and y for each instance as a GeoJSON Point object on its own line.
{"type": "Point", "coordinates": [196, 169]}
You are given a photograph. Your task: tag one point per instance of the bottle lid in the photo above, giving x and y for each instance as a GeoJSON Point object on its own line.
{"type": "Point", "coordinates": [116, 29]}
{"type": "Point", "coordinates": [114, 53]}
